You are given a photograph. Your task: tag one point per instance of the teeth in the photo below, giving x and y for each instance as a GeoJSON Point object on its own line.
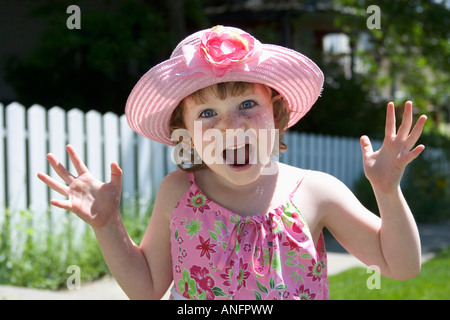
{"type": "Point", "coordinates": [236, 147]}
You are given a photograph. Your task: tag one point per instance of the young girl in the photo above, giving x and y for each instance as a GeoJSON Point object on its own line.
{"type": "Point", "coordinates": [226, 227]}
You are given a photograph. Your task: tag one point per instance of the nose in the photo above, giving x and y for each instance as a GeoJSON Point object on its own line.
{"type": "Point", "coordinates": [231, 120]}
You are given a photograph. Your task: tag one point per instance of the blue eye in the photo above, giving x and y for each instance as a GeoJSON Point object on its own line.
{"type": "Point", "coordinates": [207, 113]}
{"type": "Point", "coordinates": [248, 104]}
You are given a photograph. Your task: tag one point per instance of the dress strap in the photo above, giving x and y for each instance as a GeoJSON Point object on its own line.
{"type": "Point", "coordinates": [191, 177]}
{"type": "Point", "coordinates": [299, 182]}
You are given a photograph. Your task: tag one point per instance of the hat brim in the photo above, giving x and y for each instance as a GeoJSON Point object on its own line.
{"type": "Point", "coordinates": [156, 95]}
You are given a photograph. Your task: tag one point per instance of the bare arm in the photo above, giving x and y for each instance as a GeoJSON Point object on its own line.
{"type": "Point", "coordinates": [143, 272]}
{"type": "Point", "coordinates": [125, 259]}
{"type": "Point", "coordinates": [392, 242]}
{"type": "Point", "coordinates": [384, 169]}
{"type": "Point", "coordinates": [97, 203]}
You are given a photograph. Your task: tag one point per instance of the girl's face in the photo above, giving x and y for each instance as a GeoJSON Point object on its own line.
{"type": "Point", "coordinates": [234, 136]}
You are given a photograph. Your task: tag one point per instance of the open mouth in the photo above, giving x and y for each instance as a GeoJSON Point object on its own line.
{"type": "Point", "coordinates": [237, 156]}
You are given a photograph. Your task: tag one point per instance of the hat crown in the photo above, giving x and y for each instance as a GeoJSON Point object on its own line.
{"type": "Point", "coordinates": [220, 54]}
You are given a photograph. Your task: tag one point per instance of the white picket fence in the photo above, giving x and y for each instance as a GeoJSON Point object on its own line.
{"type": "Point", "coordinates": [27, 135]}
{"type": "Point", "coordinates": [338, 156]}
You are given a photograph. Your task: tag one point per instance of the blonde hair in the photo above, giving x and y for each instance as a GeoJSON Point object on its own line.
{"type": "Point", "coordinates": [281, 111]}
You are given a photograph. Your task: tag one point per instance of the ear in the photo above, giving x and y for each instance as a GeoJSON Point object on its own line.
{"type": "Point", "coordinates": [176, 119]}
{"type": "Point", "coordinates": [281, 113]}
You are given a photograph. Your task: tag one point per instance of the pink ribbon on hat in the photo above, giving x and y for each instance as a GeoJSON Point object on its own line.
{"type": "Point", "coordinates": [221, 50]}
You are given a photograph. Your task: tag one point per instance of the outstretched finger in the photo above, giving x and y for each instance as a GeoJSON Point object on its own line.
{"type": "Point", "coordinates": [76, 160]}
{"type": "Point", "coordinates": [390, 129]}
{"type": "Point", "coordinates": [116, 175]}
{"type": "Point", "coordinates": [416, 132]}
{"type": "Point", "coordinates": [58, 187]}
{"type": "Point", "coordinates": [63, 204]}
{"type": "Point", "coordinates": [405, 127]}
{"type": "Point", "coordinates": [414, 154]}
{"type": "Point", "coordinates": [60, 169]}
{"type": "Point", "coordinates": [366, 147]}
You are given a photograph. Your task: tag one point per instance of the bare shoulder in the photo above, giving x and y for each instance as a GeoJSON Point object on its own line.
{"type": "Point", "coordinates": [321, 184]}
{"type": "Point", "coordinates": [178, 180]}
{"type": "Point", "coordinates": [330, 185]}
{"type": "Point", "coordinates": [327, 193]}
{"type": "Point", "coordinates": [332, 200]}
{"type": "Point", "coordinates": [318, 195]}
{"type": "Point", "coordinates": [321, 195]}
{"type": "Point", "coordinates": [172, 188]}
{"type": "Point", "coordinates": [315, 190]}
{"type": "Point", "coordinates": [288, 173]}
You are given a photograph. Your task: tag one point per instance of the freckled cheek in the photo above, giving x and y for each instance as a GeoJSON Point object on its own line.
{"type": "Point", "coordinates": [262, 121]}
{"type": "Point", "coordinates": [198, 128]}
{"type": "Point", "coordinates": [266, 133]}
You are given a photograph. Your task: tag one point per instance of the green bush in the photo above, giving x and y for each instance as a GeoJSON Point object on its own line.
{"type": "Point", "coordinates": [427, 187]}
{"type": "Point", "coordinates": [38, 258]}
{"type": "Point", "coordinates": [363, 191]}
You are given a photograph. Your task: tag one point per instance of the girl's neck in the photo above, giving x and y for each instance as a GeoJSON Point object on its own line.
{"type": "Point", "coordinates": [207, 178]}
{"type": "Point", "coordinates": [248, 199]}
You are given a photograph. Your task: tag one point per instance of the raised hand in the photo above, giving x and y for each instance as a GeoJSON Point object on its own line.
{"type": "Point", "coordinates": [384, 168]}
{"type": "Point", "coordinates": [92, 200]}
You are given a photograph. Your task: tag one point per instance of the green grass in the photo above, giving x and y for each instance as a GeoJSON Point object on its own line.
{"type": "Point", "coordinates": [433, 283]}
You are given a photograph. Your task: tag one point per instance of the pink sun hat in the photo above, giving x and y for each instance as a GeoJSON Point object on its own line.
{"type": "Point", "coordinates": [220, 54]}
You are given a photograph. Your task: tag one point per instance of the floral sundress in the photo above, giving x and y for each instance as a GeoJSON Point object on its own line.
{"type": "Point", "coordinates": [218, 254]}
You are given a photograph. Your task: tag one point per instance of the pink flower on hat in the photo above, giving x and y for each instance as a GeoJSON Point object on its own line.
{"type": "Point", "coordinates": [222, 49]}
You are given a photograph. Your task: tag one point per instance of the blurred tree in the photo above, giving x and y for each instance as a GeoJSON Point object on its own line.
{"type": "Point", "coordinates": [94, 67]}
{"type": "Point", "coordinates": [345, 108]}
{"type": "Point", "coordinates": [407, 58]}
{"type": "Point", "coordinates": [408, 54]}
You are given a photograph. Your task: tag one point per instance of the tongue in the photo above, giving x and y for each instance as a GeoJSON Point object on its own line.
{"type": "Point", "coordinates": [237, 157]}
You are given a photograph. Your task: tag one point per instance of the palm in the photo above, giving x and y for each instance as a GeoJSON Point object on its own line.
{"type": "Point", "coordinates": [92, 200]}
{"type": "Point", "coordinates": [384, 168]}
